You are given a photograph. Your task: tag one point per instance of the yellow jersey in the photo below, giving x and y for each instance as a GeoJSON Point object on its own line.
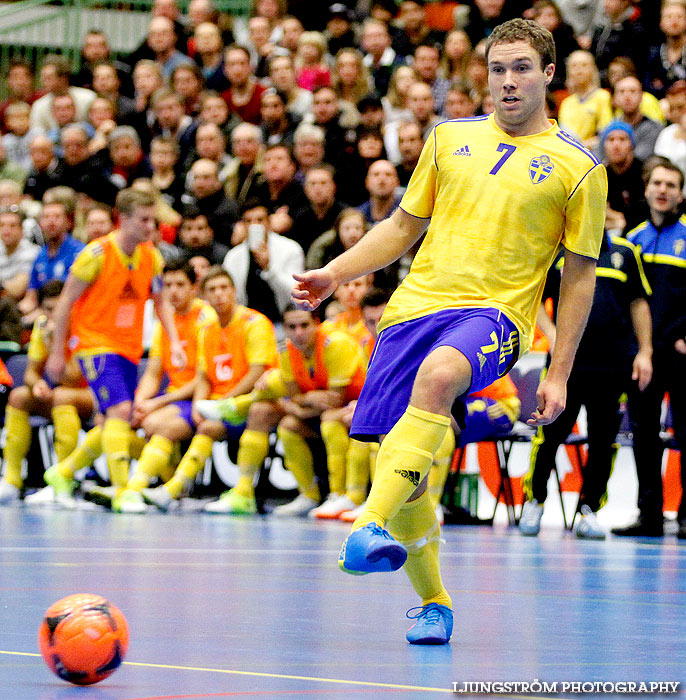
{"type": "Point", "coordinates": [588, 116]}
{"type": "Point", "coordinates": [500, 207]}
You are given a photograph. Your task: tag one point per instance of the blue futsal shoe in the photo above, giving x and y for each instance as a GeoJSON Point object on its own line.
{"type": "Point", "coordinates": [434, 624]}
{"type": "Point", "coordinates": [371, 549]}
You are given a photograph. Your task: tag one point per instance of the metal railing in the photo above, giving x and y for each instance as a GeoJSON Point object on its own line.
{"type": "Point", "coordinates": [32, 28]}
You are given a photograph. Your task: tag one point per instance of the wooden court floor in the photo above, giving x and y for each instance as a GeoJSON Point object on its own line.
{"type": "Point", "coordinates": [226, 607]}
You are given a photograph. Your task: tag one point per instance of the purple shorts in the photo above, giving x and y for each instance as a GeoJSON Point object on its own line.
{"type": "Point", "coordinates": [233, 432]}
{"type": "Point", "coordinates": [485, 336]}
{"type": "Point", "coordinates": [112, 378]}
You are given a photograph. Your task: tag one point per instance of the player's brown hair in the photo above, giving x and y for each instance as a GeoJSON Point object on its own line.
{"type": "Point", "coordinates": [524, 30]}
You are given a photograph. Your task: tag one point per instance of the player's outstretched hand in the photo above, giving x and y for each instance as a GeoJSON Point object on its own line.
{"type": "Point", "coordinates": [312, 287]}
{"type": "Point", "coordinates": [551, 396]}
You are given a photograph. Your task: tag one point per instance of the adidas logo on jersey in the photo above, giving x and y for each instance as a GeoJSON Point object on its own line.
{"type": "Point", "coordinates": [412, 476]}
{"type": "Point", "coordinates": [462, 151]}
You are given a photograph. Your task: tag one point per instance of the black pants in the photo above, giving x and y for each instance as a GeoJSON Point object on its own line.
{"type": "Point", "coordinates": [669, 375]}
{"type": "Point", "coordinates": [599, 391]}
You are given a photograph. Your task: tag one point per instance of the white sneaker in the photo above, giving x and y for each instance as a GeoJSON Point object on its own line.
{"type": "Point", "coordinates": [333, 507]}
{"type": "Point", "coordinates": [298, 508]}
{"type": "Point", "coordinates": [530, 522]}
{"type": "Point", "coordinates": [48, 497]}
{"type": "Point", "coordinates": [350, 516]}
{"type": "Point", "coordinates": [589, 527]}
{"type": "Point", "coordinates": [159, 497]}
{"type": "Point", "coordinates": [8, 492]}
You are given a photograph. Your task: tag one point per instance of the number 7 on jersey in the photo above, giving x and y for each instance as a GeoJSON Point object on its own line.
{"type": "Point", "coordinates": [508, 151]}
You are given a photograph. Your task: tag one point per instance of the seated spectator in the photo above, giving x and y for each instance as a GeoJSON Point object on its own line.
{"type": "Point", "coordinates": [189, 82]}
{"type": "Point", "coordinates": [625, 200]}
{"type": "Point", "coordinates": [164, 155]}
{"type": "Point", "coordinates": [128, 162]}
{"type": "Point", "coordinates": [262, 266]}
{"type": "Point", "coordinates": [54, 77]}
{"type": "Point", "coordinates": [214, 110]}
{"type": "Point", "coordinates": [57, 255]}
{"type": "Point", "coordinates": [107, 84]}
{"type": "Point", "coordinates": [282, 77]}
{"type": "Point", "coordinates": [322, 209]}
{"type": "Point", "coordinates": [311, 70]}
{"type": "Point", "coordinates": [395, 102]}
{"type": "Point", "coordinates": [291, 31]}
{"type": "Point", "coordinates": [209, 53]}
{"type": "Point", "coordinates": [410, 144]}
{"type": "Point", "coordinates": [162, 39]}
{"type": "Point", "coordinates": [46, 169]}
{"type": "Point", "coordinates": [66, 404]}
{"type": "Point", "coordinates": [19, 135]}
{"type": "Point", "coordinates": [243, 173]}
{"type": "Point", "coordinates": [17, 253]}
{"type": "Point", "coordinates": [19, 85]}
{"type": "Point", "coordinates": [308, 149]}
{"type": "Point", "coordinates": [63, 110]}
{"type": "Point", "coordinates": [380, 58]}
{"type": "Point", "coordinates": [381, 183]}
{"type": "Point", "coordinates": [667, 62]}
{"type": "Point", "coordinates": [278, 124]}
{"type": "Point", "coordinates": [196, 237]}
{"type": "Point", "coordinates": [588, 108]}
{"type": "Point", "coordinates": [622, 67]}
{"type": "Point", "coordinates": [279, 192]}
{"type": "Point", "coordinates": [172, 120]}
{"type": "Point", "coordinates": [168, 220]}
{"type": "Point", "coordinates": [347, 230]}
{"type": "Point", "coordinates": [456, 51]}
{"type": "Point", "coordinates": [244, 94]}
{"type": "Point", "coordinates": [339, 32]}
{"type": "Point", "coordinates": [426, 66]}
{"type": "Point", "coordinates": [210, 143]}
{"type": "Point", "coordinates": [414, 29]}
{"type": "Point", "coordinates": [169, 10]}
{"type": "Point", "coordinates": [94, 52]}
{"type": "Point", "coordinates": [350, 78]}
{"type": "Point", "coordinates": [97, 222]}
{"type": "Point", "coordinates": [101, 117]}
{"type": "Point", "coordinates": [147, 80]}
{"type": "Point", "coordinates": [208, 195]}
{"type": "Point", "coordinates": [259, 44]}
{"type": "Point", "coordinates": [459, 103]}
{"type": "Point", "coordinates": [371, 111]}
{"type": "Point", "coordinates": [671, 141]}
{"type": "Point", "coordinates": [351, 176]}
{"type": "Point", "coordinates": [338, 121]}
{"type": "Point", "coordinates": [10, 170]}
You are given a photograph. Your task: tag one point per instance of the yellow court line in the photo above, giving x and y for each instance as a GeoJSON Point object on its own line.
{"type": "Point", "coordinates": [257, 674]}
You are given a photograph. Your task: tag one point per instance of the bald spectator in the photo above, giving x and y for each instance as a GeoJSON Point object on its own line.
{"type": "Point", "coordinates": [207, 194]}
{"type": "Point", "coordinates": [410, 144]}
{"type": "Point", "coordinates": [54, 77]}
{"type": "Point", "coordinates": [380, 58]}
{"type": "Point", "coordinates": [244, 172]}
{"type": "Point", "coordinates": [626, 99]}
{"type": "Point", "coordinates": [243, 96]}
{"type": "Point", "coordinates": [382, 183]}
{"type": "Point", "coordinates": [45, 171]}
{"type": "Point", "coordinates": [322, 208]}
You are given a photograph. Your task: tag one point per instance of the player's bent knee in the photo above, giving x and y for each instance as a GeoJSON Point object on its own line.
{"type": "Point", "coordinates": [263, 416]}
{"type": "Point", "coordinates": [212, 428]}
{"type": "Point", "coordinates": [290, 423]}
{"type": "Point", "coordinates": [19, 397]}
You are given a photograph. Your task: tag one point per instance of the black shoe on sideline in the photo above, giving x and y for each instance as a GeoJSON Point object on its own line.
{"type": "Point", "coordinates": [641, 528]}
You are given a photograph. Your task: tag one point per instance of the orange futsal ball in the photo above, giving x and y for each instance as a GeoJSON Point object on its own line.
{"type": "Point", "coordinates": [83, 638]}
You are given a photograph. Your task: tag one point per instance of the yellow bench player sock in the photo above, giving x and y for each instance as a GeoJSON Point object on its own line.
{"type": "Point", "coordinates": [153, 460]}
{"type": "Point", "coordinates": [441, 466]}
{"type": "Point", "coordinates": [137, 444]}
{"type": "Point", "coordinates": [67, 425]}
{"type": "Point", "coordinates": [405, 457]}
{"type": "Point", "coordinates": [357, 471]}
{"type": "Point", "coordinates": [416, 527]}
{"type": "Point", "coordinates": [17, 444]}
{"type": "Point", "coordinates": [335, 437]}
{"type": "Point", "coordinates": [84, 455]}
{"type": "Point", "coordinates": [191, 464]}
{"type": "Point", "coordinates": [253, 448]}
{"type": "Point", "coordinates": [299, 461]}
{"type": "Point", "coordinates": [115, 446]}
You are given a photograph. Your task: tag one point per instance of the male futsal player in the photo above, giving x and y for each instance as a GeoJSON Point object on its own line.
{"type": "Point", "coordinates": [500, 194]}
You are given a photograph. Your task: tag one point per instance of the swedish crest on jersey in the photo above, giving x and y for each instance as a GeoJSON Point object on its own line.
{"type": "Point", "coordinates": [540, 169]}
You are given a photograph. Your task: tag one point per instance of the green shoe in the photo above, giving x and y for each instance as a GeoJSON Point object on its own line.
{"type": "Point", "coordinates": [232, 503]}
{"type": "Point", "coordinates": [61, 485]}
{"type": "Point", "coordinates": [129, 501]}
{"type": "Point", "coordinates": [222, 410]}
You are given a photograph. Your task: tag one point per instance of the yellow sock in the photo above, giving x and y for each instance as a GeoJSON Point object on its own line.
{"type": "Point", "coordinates": [153, 460]}
{"type": "Point", "coordinates": [67, 425]}
{"type": "Point", "coordinates": [416, 527]}
{"type": "Point", "coordinates": [115, 445]}
{"type": "Point", "coordinates": [335, 437]}
{"type": "Point", "coordinates": [191, 464]}
{"type": "Point", "coordinates": [357, 471]}
{"type": "Point", "coordinates": [298, 460]}
{"type": "Point", "coordinates": [373, 454]}
{"type": "Point", "coordinates": [405, 457]}
{"type": "Point", "coordinates": [253, 448]}
{"type": "Point", "coordinates": [441, 466]}
{"type": "Point", "coordinates": [17, 444]}
{"type": "Point", "coordinates": [137, 444]}
{"type": "Point", "coordinates": [84, 455]}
